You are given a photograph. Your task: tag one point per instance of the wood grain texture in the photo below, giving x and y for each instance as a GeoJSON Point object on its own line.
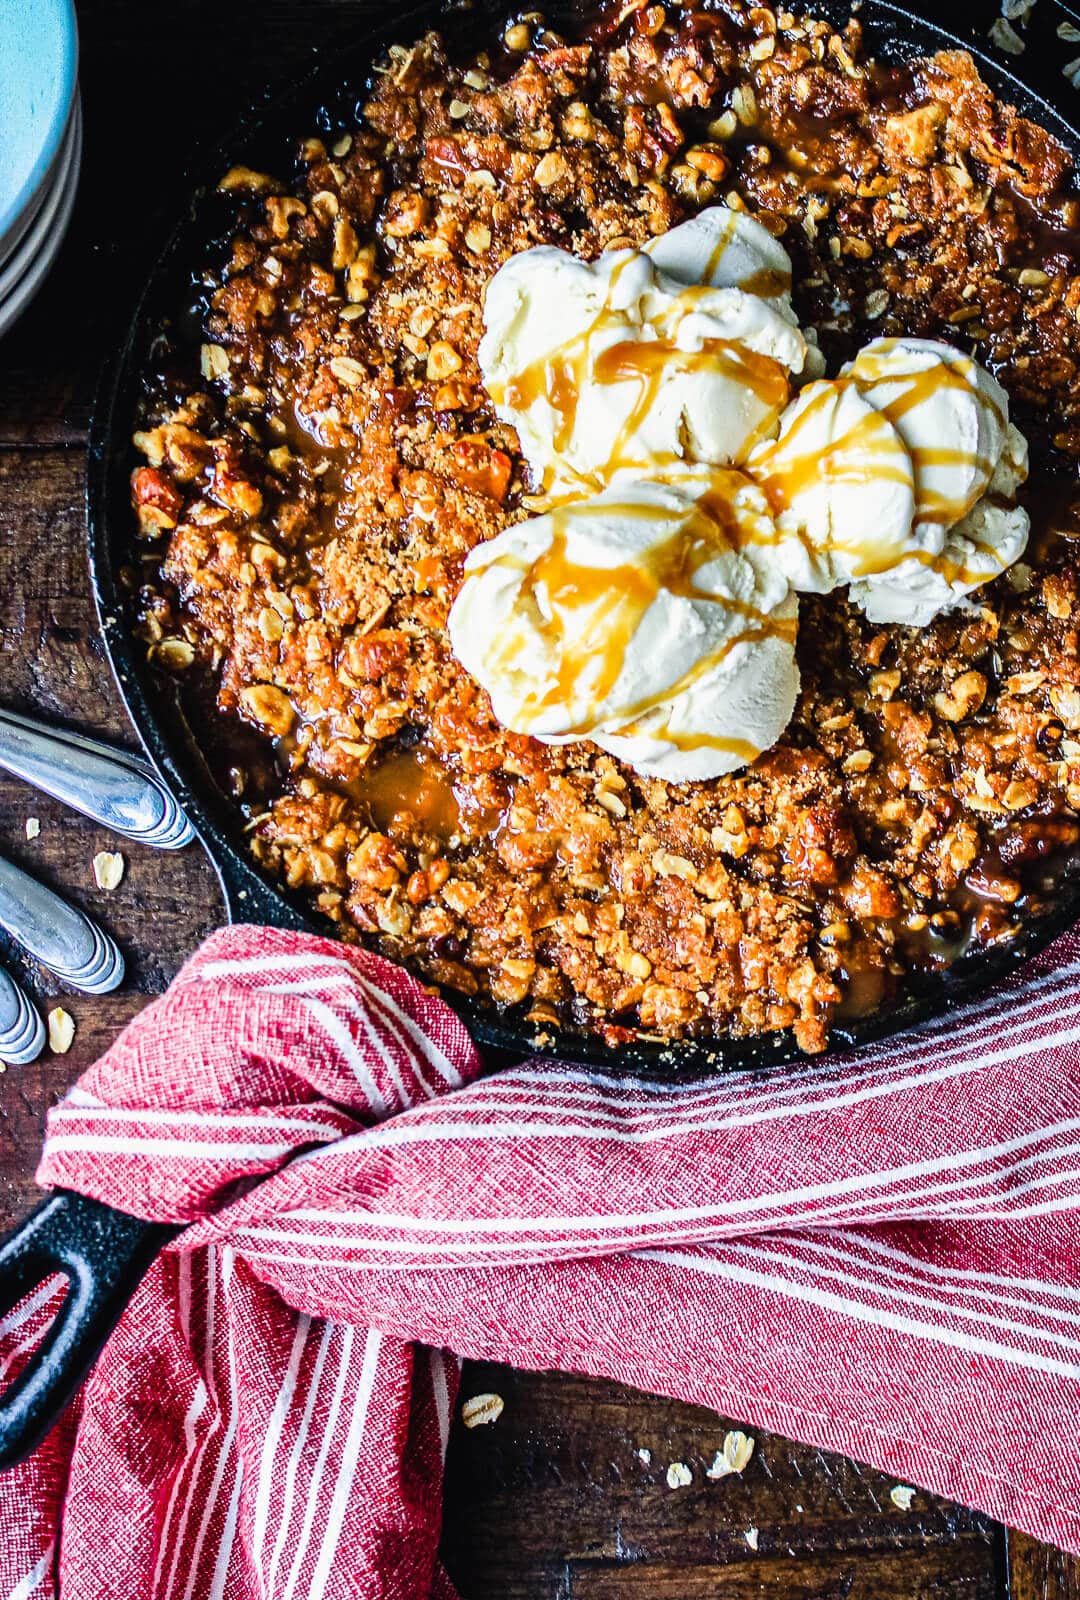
{"type": "Point", "coordinates": [553, 1501]}
{"type": "Point", "coordinates": [52, 663]}
{"type": "Point", "coordinates": [1038, 1573]}
{"type": "Point", "coordinates": [564, 1456]}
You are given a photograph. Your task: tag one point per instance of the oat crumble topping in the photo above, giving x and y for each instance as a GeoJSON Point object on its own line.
{"type": "Point", "coordinates": [321, 460]}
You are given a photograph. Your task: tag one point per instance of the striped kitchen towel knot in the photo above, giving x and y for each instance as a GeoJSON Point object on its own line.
{"type": "Point", "coordinates": [878, 1255]}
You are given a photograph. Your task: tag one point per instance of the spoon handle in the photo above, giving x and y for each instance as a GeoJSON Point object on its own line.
{"type": "Point", "coordinates": [58, 935]}
{"type": "Point", "coordinates": [22, 1032]}
{"type": "Point", "coordinates": [119, 790]}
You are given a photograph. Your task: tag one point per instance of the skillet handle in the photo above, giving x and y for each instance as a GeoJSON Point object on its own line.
{"type": "Point", "coordinates": [103, 1253]}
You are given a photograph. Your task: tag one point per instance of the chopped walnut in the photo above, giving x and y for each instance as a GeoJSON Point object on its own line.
{"type": "Point", "coordinates": [963, 697]}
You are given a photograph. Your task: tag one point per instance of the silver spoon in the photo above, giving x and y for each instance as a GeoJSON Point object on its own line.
{"type": "Point", "coordinates": [119, 790]}
{"type": "Point", "coordinates": [22, 1032]}
{"type": "Point", "coordinates": [62, 938]}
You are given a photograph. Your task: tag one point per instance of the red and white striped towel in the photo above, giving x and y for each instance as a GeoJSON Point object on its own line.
{"type": "Point", "coordinates": [876, 1254]}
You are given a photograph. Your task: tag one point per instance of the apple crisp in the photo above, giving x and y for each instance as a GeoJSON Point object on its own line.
{"type": "Point", "coordinates": [320, 457]}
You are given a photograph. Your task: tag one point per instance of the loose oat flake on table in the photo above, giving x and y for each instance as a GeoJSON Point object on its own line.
{"type": "Point", "coordinates": [320, 463]}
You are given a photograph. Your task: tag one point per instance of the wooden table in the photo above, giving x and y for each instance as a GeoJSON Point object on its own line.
{"type": "Point", "coordinates": [553, 1502]}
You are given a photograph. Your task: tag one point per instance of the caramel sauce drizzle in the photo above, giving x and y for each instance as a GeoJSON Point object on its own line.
{"type": "Point", "coordinates": [649, 364]}
{"type": "Point", "coordinates": [916, 388]}
{"type": "Point", "coordinates": [560, 375]}
{"type": "Point", "coordinates": [766, 282]}
{"type": "Point", "coordinates": [860, 455]}
{"type": "Point", "coordinates": [588, 616]}
{"type": "Point", "coordinates": [720, 248]}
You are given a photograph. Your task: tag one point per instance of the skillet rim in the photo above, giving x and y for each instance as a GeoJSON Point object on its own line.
{"type": "Point", "coordinates": [895, 32]}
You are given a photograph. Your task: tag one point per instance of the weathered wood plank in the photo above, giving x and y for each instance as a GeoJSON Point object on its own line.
{"type": "Point", "coordinates": [556, 1495]}
{"type": "Point", "coordinates": [52, 663]}
{"type": "Point", "coordinates": [1036, 1572]}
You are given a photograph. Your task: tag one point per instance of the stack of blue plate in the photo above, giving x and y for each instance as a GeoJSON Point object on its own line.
{"type": "Point", "coordinates": [41, 125]}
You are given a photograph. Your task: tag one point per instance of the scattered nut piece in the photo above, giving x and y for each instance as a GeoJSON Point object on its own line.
{"type": "Point", "coordinates": [346, 244]}
{"type": "Point", "coordinates": [1019, 794]}
{"type": "Point", "coordinates": [325, 204]}
{"type": "Point", "coordinates": [478, 238]}
{"type": "Point", "coordinates": [481, 1410]}
{"type": "Point", "coordinates": [744, 103]}
{"type": "Point", "coordinates": [902, 1496]}
{"type": "Point", "coordinates": [551, 169]}
{"type": "Point", "coordinates": [1066, 702]}
{"type": "Point", "coordinates": [348, 371]}
{"type": "Point", "coordinates": [1004, 35]}
{"type": "Point", "coordinates": [709, 161]}
{"type": "Point", "coordinates": [964, 697]}
{"type": "Point", "coordinates": [245, 178]}
{"type": "Point", "coordinates": [214, 361]}
{"type": "Point", "coordinates": [611, 804]}
{"type": "Point", "coordinates": [1024, 682]}
{"type": "Point", "coordinates": [269, 707]}
{"type": "Point", "coordinates": [672, 866]}
{"type": "Point", "coordinates": [644, 1456]}
{"type": "Point", "coordinates": [108, 869]}
{"type": "Point", "coordinates": [1057, 597]}
{"type": "Point", "coordinates": [442, 360]}
{"type": "Point", "coordinates": [61, 1030]}
{"type": "Point", "coordinates": [859, 761]}
{"type": "Point", "coordinates": [885, 684]}
{"type": "Point", "coordinates": [422, 321]}
{"type": "Point", "coordinates": [33, 827]}
{"type": "Point", "coordinates": [175, 655]}
{"type": "Point", "coordinates": [733, 1455]}
{"type": "Point", "coordinates": [281, 208]}
{"type": "Point", "coordinates": [633, 963]}
{"type": "Point", "coordinates": [752, 1536]}
{"type": "Point", "coordinates": [679, 1475]}
{"type": "Point", "coordinates": [271, 626]}
{"type": "Point", "coordinates": [361, 275]}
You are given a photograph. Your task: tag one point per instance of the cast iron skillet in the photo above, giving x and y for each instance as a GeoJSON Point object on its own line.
{"type": "Point", "coordinates": [155, 706]}
{"type": "Point", "coordinates": [104, 1252]}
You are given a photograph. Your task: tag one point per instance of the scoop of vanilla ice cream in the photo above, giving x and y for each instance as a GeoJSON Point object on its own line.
{"type": "Point", "coordinates": [636, 620]}
{"type": "Point", "coordinates": [726, 249]}
{"type": "Point", "coordinates": [978, 548]}
{"type": "Point", "coordinates": [1012, 468]}
{"type": "Point", "coordinates": [841, 486]}
{"type": "Point", "coordinates": [894, 478]}
{"type": "Point", "coordinates": [952, 415]}
{"type": "Point", "coordinates": [614, 367]}
{"type": "Point", "coordinates": [989, 539]}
